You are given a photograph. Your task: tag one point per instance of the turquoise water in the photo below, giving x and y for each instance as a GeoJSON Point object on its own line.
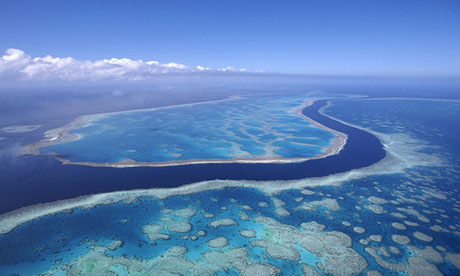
{"type": "Point", "coordinates": [245, 128]}
{"type": "Point", "coordinates": [434, 122]}
{"type": "Point", "coordinates": [424, 198]}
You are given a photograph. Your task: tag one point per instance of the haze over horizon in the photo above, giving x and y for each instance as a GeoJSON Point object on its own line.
{"type": "Point", "coordinates": [230, 137]}
{"type": "Point", "coordinates": [114, 40]}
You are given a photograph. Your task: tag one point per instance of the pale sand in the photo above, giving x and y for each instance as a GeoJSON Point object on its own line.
{"type": "Point", "coordinates": [62, 135]}
{"type": "Point", "coordinates": [402, 153]}
{"type": "Point", "coordinates": [20, 129]}
{"type": "Point", "coordinates": [389, 165]}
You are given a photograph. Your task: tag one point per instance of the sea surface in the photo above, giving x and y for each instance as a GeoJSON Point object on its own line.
{"type": "Point", "coordinates": [39, 179]}
{"type": "Point", "coordinates": [396, 216]}
{"type": "Point", "coordinates": [242, 128]}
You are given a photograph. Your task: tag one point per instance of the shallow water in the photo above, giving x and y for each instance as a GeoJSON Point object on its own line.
{"type": "Point", "coordinates": [424, 197]}
{"type": "Point", "coordinates": [247, 127]}
{"type": "Point", "coordinates": [39, 179]}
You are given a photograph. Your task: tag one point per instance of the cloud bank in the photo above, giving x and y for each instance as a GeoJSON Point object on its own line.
{"type": "Point", "coordinates": [16, 65]}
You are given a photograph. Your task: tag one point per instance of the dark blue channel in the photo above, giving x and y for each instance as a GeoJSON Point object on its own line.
{"type": "Point", "coordinates": [39, 179]}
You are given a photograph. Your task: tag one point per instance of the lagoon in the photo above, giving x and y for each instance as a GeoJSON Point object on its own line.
{"type": "Point", "coordinates": [245, 129]}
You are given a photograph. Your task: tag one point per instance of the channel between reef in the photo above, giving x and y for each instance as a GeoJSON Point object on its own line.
{"type": "Point", "coordinates": [55, 181]}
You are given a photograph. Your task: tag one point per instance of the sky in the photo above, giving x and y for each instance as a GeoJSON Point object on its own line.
{"type": "Point", "coordinates": [358, 38]}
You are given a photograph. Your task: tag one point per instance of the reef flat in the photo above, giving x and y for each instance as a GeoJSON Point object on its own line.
{"type": "Point", "coordinates": [398, 216]}
{"type": "Point", "coordinates": [210, 232]}
{"type": "Point", "coordinates": [245, 129]}
{"type": "Point", "coordinates": [361, 151]}
{"type": "Point", "coordinates": [20, 129]}
{"type": "Point", "coordinates": [402, 152]}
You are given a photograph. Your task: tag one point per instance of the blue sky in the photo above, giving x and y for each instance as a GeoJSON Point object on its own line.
{"type": "Point", "coordinates": [403, 37]}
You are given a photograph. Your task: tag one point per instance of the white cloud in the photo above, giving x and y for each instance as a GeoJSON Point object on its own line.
{"type": "Point", "coordinates": [17, 65]}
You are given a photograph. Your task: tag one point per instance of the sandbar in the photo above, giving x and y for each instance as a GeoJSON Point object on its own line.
{"type": "Point", "coordinates": [20, 129]}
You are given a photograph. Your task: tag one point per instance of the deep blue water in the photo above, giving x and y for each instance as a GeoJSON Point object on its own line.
{"type": "Point", "coordinates": [436, 121]}
{"type": "Point", "coordinates": [62, 237]}
{"type": "Point", "coordinates": [38, 179]}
